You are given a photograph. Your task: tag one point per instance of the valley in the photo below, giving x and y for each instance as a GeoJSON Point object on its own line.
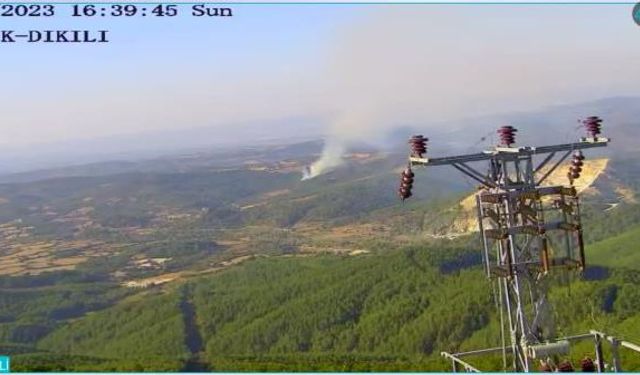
{"type": "Point", "coordinates": [232, 263]}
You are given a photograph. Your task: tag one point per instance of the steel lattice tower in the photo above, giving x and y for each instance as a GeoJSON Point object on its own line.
{"type": "Point", "coordinates": [528, 230]}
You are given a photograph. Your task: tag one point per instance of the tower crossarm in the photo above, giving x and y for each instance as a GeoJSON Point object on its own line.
{"type": "Point", "coordinates": [509, 153]}
{"type": "Point", "coordinates": [528, 231]}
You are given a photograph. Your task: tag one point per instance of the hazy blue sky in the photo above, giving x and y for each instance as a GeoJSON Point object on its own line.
{"type": "Point", "coordinates": [360, 66]}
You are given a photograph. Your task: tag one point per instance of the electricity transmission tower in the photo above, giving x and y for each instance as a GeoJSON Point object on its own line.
{"type": "Point", "coordinates": [529, 230]}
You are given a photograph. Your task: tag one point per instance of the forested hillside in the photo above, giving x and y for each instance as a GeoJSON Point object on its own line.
{"type": "Point", "coordinates": [383, 311]}
{"type": "Point", "coordinates": [232, 263]}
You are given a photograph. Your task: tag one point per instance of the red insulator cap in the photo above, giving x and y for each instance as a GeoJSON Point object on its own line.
{"type": "Point", "coordinates": [408, 173]}
{"type": "Point", "coordinates": [507, 135]}
{"type": "Point", "coordinates": [587, 365]}
{"type": "Point", "coordinates": [418, 145]}
{"type": "Point", "coordinates": [404, 194]}
{"type": "Point", "coordinates": [576, 166]}
{"type": "Point", "coordinates": [406, 184]}
{"type": "Point", "coordinates": [593, 125]}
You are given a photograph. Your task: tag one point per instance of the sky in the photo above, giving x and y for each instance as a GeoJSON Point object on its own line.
{"type": "Point", "coordinates": [358, 68]}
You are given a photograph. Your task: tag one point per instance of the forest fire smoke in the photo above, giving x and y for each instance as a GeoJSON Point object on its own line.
{"type": "Point", "coordinates": [423, 67]}
{"type": "Point", "coordinates": [330, 159]}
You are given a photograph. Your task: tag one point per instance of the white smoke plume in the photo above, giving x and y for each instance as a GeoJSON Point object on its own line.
{"type": "Point", "coordinates": [426, 64]}
{"type": "Point", "coordinates": [330, 159]}
{"type": "Point", "coordinates": [346, 130]}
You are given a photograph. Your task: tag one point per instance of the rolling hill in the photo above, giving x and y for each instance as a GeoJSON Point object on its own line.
{"type": "Point", "coordinates": [227, 261]}
{"type": "Point", "coordinates": [385, 311]}
{"type": "Point", "coordinates": [620, 251]}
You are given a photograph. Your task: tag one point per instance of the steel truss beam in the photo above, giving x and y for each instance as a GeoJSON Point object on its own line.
{"type": "Point", "coordinates": [519, 221]}
{"type": "Point", "coordinates": [502, 153]}
{"type": "Point", "coordinates": [597, 336]}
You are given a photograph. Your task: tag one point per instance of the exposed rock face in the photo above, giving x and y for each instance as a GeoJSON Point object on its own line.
{"type": "Point", "coordinates": [464, 213]}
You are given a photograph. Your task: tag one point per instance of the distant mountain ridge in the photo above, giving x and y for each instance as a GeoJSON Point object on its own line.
{"type": "Point", "coordinates": [119, 265]}
{"type": "Point", "coordinates": [621, 121]}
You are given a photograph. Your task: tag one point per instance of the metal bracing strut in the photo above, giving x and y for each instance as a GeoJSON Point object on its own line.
{"type": "Point", "coordinates": [527, 229]}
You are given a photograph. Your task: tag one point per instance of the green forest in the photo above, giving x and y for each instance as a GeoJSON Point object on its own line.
{"type": "Point", "coordinates": [275, 275]}
{"type": "Point", "coordinates": [388, 311]}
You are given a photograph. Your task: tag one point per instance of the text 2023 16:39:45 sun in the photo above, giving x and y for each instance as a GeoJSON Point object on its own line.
{"type": "Point", "coordinates": [160, 10]}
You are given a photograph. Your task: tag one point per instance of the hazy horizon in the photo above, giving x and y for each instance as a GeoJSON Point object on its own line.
{"type": "Point", "coordinates": [308, 71]}
{"type": "Point", "coordinates": [173, 143]}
